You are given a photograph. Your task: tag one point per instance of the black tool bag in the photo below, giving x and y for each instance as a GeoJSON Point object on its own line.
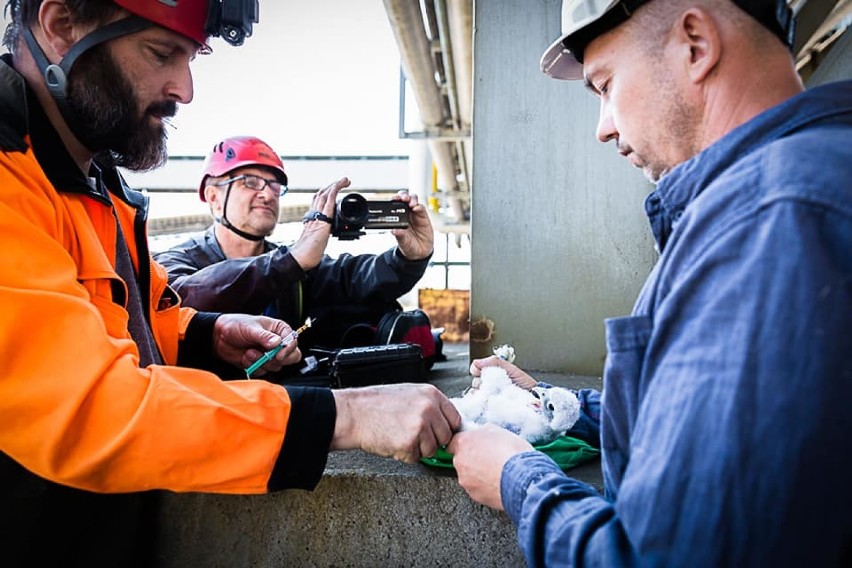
{"type": "Point", "coordinates": [361, 366]}
{"type": "Point", "coordinates": [378, 364]}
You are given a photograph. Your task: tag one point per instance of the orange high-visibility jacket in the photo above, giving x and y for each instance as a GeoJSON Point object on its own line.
{"type": "Point", "coordinates": [75, 407]}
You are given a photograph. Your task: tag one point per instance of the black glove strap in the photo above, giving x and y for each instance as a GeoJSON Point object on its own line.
{"type": "Point", "coordinates": [316, 216]}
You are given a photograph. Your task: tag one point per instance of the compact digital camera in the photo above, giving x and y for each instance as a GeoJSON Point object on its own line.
{"type": "Point", "coordinates": [232, 19]}
{"type": "Point", "coordinates": [354, 214]}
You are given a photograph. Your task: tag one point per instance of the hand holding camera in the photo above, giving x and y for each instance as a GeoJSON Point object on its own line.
{"type": "Point", "coordinates": [354, 214]}
{"type": "Point", "coordinates": [417, 241]}
{"type": "Point", "coordinates": [310, 248]}
{"type": "Point", "coordinates": [407, 220]}
{"type": "Point", "coordinates": [351, 215]}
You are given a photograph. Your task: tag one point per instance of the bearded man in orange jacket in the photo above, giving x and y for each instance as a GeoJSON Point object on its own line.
{"type": "Point", "coordinates": [92, 400]}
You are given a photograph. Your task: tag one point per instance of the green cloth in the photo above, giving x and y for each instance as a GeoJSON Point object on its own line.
{"type": "Point", "coordinates": [567, 452]}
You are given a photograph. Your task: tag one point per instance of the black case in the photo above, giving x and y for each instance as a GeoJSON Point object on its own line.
{"type": "Point", "coordinates": [378, 364]}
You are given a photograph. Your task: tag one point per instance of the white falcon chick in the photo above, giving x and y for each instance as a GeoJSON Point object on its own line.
{"type": "Point", "coordinates": [539, 415]}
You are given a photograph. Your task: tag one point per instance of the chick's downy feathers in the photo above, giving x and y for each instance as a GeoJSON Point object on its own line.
{"type": "Point", "coordinates": [539, 415]}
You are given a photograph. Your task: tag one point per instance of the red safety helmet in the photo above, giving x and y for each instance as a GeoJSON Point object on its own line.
{"type": "Point", "coordinates": [186, 17]}
{"type": "Point", "coordinates": [237, 152]}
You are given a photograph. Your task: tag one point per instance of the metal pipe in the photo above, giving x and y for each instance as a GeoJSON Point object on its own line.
{"type": "Point", "coordinates": [452, 92]}
{"type": "Point", "coordinates": [460, 13]}
{"type": "Point", "coordinates": [447, 56]}
{"type": "Point", "coordinates": [415, 49]}
{"type": "Point", "coordinates": [406, 23]}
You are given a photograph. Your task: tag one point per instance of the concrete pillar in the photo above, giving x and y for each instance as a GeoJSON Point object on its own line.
{"type": "Point", "coordinates": [559, 236]}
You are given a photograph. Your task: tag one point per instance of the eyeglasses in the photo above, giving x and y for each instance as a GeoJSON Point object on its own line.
{"type": "Point", "coordinates": [257, 183]}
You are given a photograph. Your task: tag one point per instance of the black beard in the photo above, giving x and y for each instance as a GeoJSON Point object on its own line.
{"type": "Point", "coordinates": [106, 116]}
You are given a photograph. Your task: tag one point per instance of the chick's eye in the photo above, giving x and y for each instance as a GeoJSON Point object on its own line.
{"type": "Point", "coordinates": [550, 406]}
{"type": "Point", "coordinates": [535, 394]}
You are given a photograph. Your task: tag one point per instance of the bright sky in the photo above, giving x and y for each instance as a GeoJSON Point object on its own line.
{"type": "Point", "coordinates": [317, 77]}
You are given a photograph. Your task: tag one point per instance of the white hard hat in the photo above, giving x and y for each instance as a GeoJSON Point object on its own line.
{"type": "Point", "coordinates": [584, 20]}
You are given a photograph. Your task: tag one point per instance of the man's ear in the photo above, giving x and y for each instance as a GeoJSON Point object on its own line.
{"type": "Point", "coordinates": [699, 34]}
{"type": "Point", "coordinates": [210, 194]}
{"type": "Point", "coordinates": [56, 28]}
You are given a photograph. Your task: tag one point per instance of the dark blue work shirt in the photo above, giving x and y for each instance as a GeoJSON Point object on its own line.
{"type": "Point", "coordinates": [726, 425]}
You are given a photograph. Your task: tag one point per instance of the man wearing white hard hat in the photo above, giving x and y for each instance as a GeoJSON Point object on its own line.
{"type": "Point", "coordinates": [724, 419]}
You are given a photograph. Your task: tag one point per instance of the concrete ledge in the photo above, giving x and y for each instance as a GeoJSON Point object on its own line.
{"type": "Point", "coordinates": [366, 512]}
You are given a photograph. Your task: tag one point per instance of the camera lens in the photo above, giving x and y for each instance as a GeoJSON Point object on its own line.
{"type": "Point", "coordinates": [352, 210]}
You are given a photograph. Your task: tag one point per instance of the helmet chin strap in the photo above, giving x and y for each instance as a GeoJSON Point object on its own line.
{"type": "Point", "coordinates": [56, 74]}
{"type": "Point", "coordinates": [223, 220]}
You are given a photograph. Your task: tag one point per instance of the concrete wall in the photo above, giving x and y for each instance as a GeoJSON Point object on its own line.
{"type": "Point", "coordinates": [367, 512]}
{"type": "Point", "coordinates": [559, 236]}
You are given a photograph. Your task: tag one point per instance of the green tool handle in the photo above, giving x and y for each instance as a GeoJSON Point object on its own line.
{"type": "Point", "coordinates": [270, 354]}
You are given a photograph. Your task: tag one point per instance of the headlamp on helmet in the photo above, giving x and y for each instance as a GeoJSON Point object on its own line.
{"type": "Point", "coordinates": [199, 20]}
{"type": "Point", "coordinates": [232, 19]}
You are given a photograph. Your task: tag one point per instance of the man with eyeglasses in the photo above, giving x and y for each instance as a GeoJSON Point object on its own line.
{"type": "Point", "coordinates": [233, 267]}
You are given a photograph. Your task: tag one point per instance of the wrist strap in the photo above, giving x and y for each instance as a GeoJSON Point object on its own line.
{"type": "Point", "coordinates": [316, 216]}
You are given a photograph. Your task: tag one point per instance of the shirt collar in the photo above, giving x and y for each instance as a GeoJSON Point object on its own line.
{"type": "Point", "coordinates": [686, 181]}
